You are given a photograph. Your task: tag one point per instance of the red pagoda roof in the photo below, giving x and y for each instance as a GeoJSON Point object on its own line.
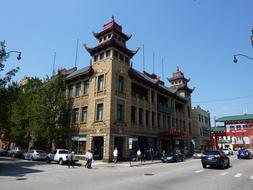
{"type": "Point", "coordinates": [111, 43]}
{"type": "Point", "coordinates": [112, 26]}
{"type": "Point", "coordinates": [178, 75]}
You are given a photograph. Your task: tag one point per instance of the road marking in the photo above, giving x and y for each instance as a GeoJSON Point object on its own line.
{"type": "Point", "coordinates": [238, 175]}
{"type": "Point", "coordinates": [225, 173]}
{"type": "Point", "coordinates": [251, 177]}
{"type": "Point", "coordinates": [198, 171]}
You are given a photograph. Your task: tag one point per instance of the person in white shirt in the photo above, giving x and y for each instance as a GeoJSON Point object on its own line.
{"type": "Point", "coordinates": [115, 155]}
{"type": "Point", "coordinates": [90, 158]}
{"type": "Point", "coordinates": [139, 155]}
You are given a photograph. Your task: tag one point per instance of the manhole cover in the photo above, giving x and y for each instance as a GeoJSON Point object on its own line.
{"type": "Point", "coordinates": [148, 174]}
{"type": "Point", "coordinates": [22, 178]}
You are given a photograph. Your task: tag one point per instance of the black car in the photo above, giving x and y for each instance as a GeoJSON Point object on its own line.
{"type": "Point", "coordinates": [173, 157]}
{"type": "Point", "coordinates": [216, 158]}
{"type": "Point", "coordinates": [244, 154]}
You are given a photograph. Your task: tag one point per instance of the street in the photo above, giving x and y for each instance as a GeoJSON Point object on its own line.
{"type": "Point", "coordinates": [20, 174]}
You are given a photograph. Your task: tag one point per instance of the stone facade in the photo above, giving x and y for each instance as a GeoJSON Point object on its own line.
{"type": "Point", "coordinates": [202, 126]}
{"type": "Point", "coordinates": [123, 107]}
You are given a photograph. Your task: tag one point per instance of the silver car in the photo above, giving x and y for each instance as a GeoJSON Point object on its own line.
{"type": "Point", "coordinates": [35, 154]}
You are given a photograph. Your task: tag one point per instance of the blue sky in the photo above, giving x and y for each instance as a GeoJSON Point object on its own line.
{"type": "Point", "coordinates": [199, 36]}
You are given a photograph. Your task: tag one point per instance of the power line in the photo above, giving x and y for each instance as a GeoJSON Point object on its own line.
{"type": "Point", "coordinates": [224, 99]}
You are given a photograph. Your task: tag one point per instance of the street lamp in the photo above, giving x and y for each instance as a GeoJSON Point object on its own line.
{"type": "Point", "coordinates": [4, 54]}
{"type": "Point", "coordinates": [237, 55]}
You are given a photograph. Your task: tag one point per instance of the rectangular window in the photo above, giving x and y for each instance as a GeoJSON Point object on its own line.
{"type": "Point", "coordinates": [100, 110]}
{"type": "Point", "coordinates": [84, 114]}
{"type": "Point", "coordinates": [121, 57]}
{"type": "Point", "coordinates": [158, 120]}
{"type": "Point", "coordinates": [115, 54]}
{"type": "Point", "coordinates": [120, 112]}
{"type": "Point", "coordinates": [101, 56]}
{"type": "Point", "coordinates": [153, 118]}
{"type": "Point", "coordinates": [126, 60]}
{"type": "Point", "coordinates": [70, 91]}
{"type": "Point", "coordinates": [164, 121]}
{"type": "Point", "coordinates": [147, 117]}
{"type": "Point", "coordinates": [108, 53]}
{"type": "Point", "coordinates": [86, 87]}
{"type": "Point", "coordinates": [133, 112]}
{"type": "Point", "coordinates": [101, 83]}
{"type": "Point", "coordinates": [120, 84]}
{"type": "Point", "coordinates": [152, 96]}
{"type": "Point", "coordinates": [140, 116]}
{"type": "Point", "coordinates": [95, 58]}
{"type": "Point", "coordinates": [75, 116]}
{"type": "Point", "coordinates": [78, 89]}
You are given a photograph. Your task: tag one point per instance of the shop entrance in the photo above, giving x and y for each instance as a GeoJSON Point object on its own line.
{"type": "Point", "coordinates": [98, 148]}
{"type": "Point", "coordinates": [118, 142]}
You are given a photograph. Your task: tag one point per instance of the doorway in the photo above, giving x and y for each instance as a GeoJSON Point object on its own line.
{"type": "Point", "coordinates": [118, 142]}
{"type": "Point", "coordinates": [98, 148]}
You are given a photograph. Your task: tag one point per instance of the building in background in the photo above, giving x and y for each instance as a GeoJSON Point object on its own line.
{"type": "Point", "coordinates": [238, 132]}
{"type": "Point", "coordinates": [114, 105]}
{"type": "Point", "coordinates": [201, 128]}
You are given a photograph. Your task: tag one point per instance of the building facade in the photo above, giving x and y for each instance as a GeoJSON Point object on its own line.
{"type": "Point", "coordinates": [201, 128]}
{"type": "Point", "coordinates": [114, 105]}
{"type": "Point", "coordinates": [238, 132]}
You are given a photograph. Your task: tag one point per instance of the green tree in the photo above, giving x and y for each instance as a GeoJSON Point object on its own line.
{"type": "Point", "coordinates": [52, 111]}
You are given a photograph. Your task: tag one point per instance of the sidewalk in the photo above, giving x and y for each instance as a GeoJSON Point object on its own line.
{"type": "Point", "coordinates": [120, 164]}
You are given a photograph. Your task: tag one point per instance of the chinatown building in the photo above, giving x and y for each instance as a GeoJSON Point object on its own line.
{"type": "Point", "coordinates": [237, 132]}
{"type": "Point", "coordinates": [114, 105]}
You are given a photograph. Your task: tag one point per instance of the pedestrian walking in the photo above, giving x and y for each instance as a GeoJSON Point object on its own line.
{"type": "Point", "coordinates": [139, 155]}
{"type": "Point", "coordinates": [115, 155]}
{"type": "Point", "coordinates": [71, 159]}
{"type": "Point", "coordinates": [90, 158]}
{"type": "Point", "coordinates": [86, 156]}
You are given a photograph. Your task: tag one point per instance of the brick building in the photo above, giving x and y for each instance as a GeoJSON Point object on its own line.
{"type": "Point", "coordinates": [114, 105]}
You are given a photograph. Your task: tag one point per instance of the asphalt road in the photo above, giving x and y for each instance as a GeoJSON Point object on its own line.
{"type": "Point", "coordinates": [19, 174]}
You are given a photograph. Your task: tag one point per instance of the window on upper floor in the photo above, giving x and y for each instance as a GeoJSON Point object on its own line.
{"type": "Point", "coordinates": [120, 112]}
{"type": "Point", "coordinates": [84, 114]}
{"type": "Point", "coordinates": [120, 84]}
{"type": "Point", "coordinates": [140, 116]}
{"type": "Point", "coordinates": [133, 114]}
{"type": "Point", "coordinates": [100, 112]}
{"type": "Point", "coordinates": [108, 53]}
{"type": "Point", "coordinates": [95, 58]}
{"type": "Point", "coordinates": [127, 60]}
{"type": "Point", "coordinates": [78, 89]}
{"type": "Point", "coordinates": [75, 115]}
{"type": "Point", "coordinates": [100, 83]}
{"type": "Point", "coordinates": [70, 91]}
{"type": "Point", "coordinates": [147, 118]}
{"type": "Point", "coordinates": [86, 87]}
{"type": "Point", "coordinates": [121, 57]}
{"type": "Point", "coordinates": [153, 118]}
{"type": "Point", "coordinates": [115, 54]}
{"type": "Point", "coordinates": [101, 56]}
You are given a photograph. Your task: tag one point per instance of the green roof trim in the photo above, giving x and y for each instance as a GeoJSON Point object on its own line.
{"type": "Point", "coordinates": [218, 129]}
{"type": "Point", "coordinates": [235, 118]}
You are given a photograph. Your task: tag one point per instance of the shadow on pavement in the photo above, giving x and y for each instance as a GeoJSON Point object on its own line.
{"type": "Point", "coordinates": [17, 168]}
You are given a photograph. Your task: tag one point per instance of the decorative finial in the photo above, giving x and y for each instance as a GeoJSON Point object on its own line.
{"type": "Point", "coordinates": [177, 68]}
{"type": "Point", "coordinates": [112, 18]}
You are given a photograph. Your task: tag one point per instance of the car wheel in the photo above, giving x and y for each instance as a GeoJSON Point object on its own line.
{"type": "Point", "coordinates": [61, 161]}
{"type": "Point", "coordinates": [182, 159]}
{"type": "Point", "coordinates": [48, 160]}
{"type": "Point", "coordinates": [204, 165]}
{"type": "Point", "coordinates": [222, 164]}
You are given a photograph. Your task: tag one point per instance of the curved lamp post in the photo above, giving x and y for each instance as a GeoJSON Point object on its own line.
{"type": "Point", "coordinates": [4, 54]}
{"type": "Point", "coordinates": [242, 55]}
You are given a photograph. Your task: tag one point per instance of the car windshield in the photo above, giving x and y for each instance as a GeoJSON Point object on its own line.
{"type": "Point", "coordinates": [212, 153]}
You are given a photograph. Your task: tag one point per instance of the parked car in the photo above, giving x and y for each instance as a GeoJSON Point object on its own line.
{"type": "Point", "coordinates": [60, 156]}
{"type": "Point", "coordinates": [197, 154]}
{"type": "Point", "coordinates": [215, 158]}
{"type": "Point", "coordinates": [35, 154]}
{"type": "Point", "coordinates": [228, 151]}
{"type": "Point", "coordinates": [3, 152]}
{"type": "Point", "coordinates": [16, 152]}
{"type": "Point", "coordinates": [173, 157]}
{"type": "Point", "coordinates": [244, 154]}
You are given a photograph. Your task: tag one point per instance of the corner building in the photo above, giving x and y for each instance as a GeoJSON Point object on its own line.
{"type": "Point", "coordinates": [114, 105]}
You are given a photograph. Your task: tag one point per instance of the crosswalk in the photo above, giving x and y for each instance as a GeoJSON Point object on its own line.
{"type": "Point", "coordinates": [235, 175]}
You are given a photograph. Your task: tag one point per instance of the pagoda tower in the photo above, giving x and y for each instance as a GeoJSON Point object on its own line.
{"type": "Point", "coordinates": [109, 39]}
{"type": "Point", "coordinates": [179, 84]}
